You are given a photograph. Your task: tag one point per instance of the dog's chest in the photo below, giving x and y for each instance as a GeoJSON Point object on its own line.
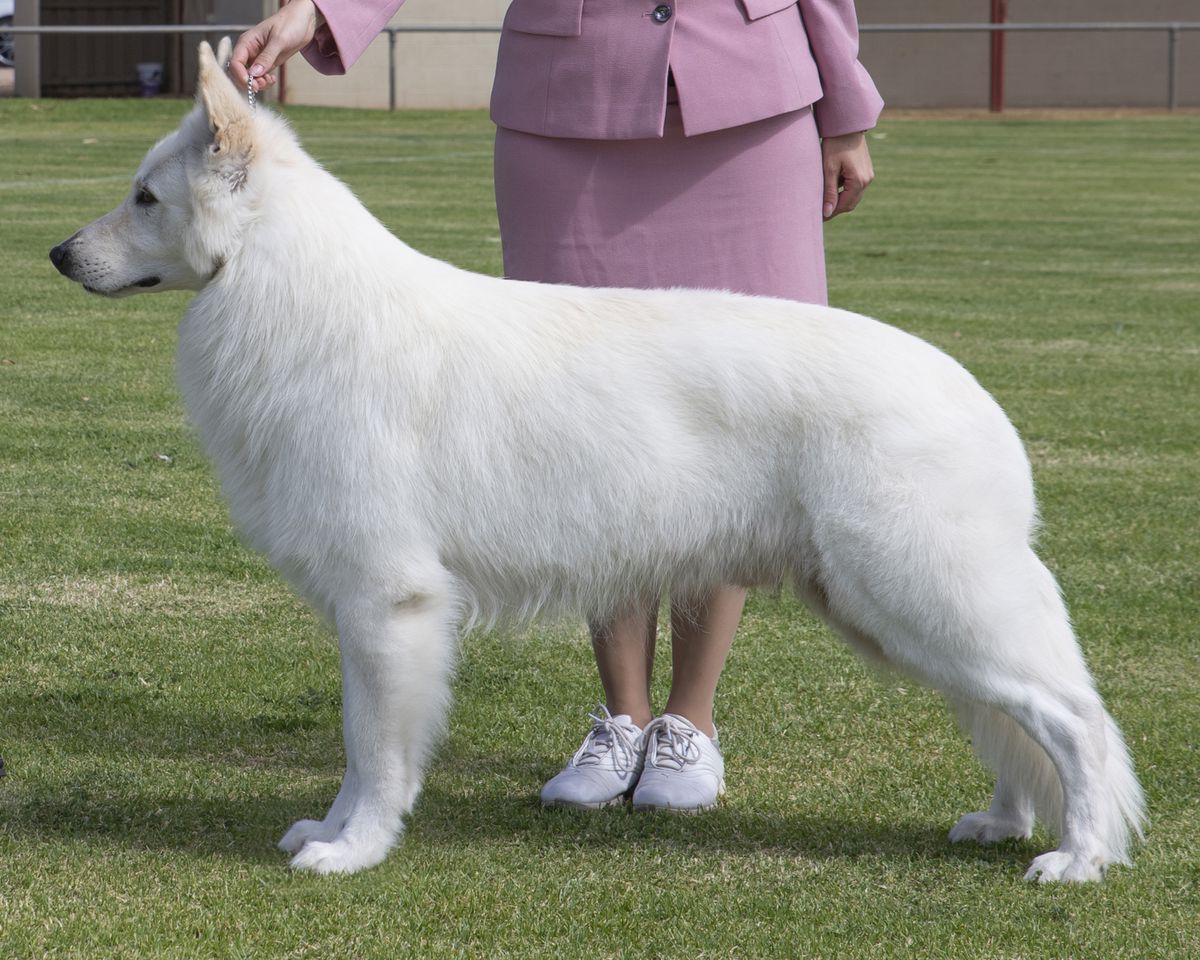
{"type": "Point", "coordinates": [257, 410]}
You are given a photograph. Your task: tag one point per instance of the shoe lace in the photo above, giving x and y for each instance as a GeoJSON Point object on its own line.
{"type": "Point", "coordinates": [608, 737]}
{"type": "Point", "coordinates": [671, 743]}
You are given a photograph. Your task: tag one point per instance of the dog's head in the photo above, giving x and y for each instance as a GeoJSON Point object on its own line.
{"type": "Point", "coordinates": [191, 197]}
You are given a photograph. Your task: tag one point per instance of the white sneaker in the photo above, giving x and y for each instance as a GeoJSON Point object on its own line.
{"type": "Point", "coordinates": [604, 769]}
{"type": "Point", "coordinates": [684, 769]}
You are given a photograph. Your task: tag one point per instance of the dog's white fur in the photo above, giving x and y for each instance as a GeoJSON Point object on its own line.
{"type": "Point", "coordinates": [416, 448]}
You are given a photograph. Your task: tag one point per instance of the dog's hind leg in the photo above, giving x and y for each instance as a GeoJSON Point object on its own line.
{"type": "Point", "coordinates": [1025, 778]}
{"type": "Point", "coordinates": [1100, 799]}
{"type": "Point", "coordinates": [397, 656]}
{"type": "Point", "coordinates": [1036, 717]}
{"type": "Point", "coordinates": [1038, 720]}
{"type": "Point", "coordinates": [997, 740]}
{"type": "Point", "coordinates": [983, 623]}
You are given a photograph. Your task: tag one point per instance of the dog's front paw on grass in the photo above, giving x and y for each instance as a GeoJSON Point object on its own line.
{"type": "Point", "coordinates": [986, 827]}
{"type": "Point", "coordinates": [302, 831]}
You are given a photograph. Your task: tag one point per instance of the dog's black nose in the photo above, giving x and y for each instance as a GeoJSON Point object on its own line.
{"type": "Point", "coordinates": [59, 255]}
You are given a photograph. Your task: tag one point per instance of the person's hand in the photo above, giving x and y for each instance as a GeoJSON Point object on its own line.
{"type": "Point", "coordinates": [263, 48]}
{"type": "Point", "coordinates": [848, 172]}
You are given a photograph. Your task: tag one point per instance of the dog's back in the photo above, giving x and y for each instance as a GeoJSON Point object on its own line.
{"type": "Point", "coordinates": [569, 447]}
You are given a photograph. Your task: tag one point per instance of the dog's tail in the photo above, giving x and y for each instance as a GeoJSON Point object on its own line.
{"type": "Point", "coordinates": [1124, 805]}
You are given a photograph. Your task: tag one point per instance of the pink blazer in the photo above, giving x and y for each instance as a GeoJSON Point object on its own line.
{"type": "Point", "coordinates": [597, 69]}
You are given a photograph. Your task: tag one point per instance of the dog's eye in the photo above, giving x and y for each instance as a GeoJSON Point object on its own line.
{"type": "Point", "coordinates": [145, 198]}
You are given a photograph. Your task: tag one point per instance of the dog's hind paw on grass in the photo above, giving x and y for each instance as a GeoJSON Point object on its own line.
{"type": "Point", "coordinates": [1058, 866]}
{"type": "Point", "coordinates": [986, 827]}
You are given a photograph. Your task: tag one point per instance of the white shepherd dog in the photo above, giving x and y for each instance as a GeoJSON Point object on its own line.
{"type": "Point", "coordinates": [418, 449]}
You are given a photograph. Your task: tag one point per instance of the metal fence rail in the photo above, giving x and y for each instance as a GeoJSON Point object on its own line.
{"type": "Point", "coordinates": [1172, 29]}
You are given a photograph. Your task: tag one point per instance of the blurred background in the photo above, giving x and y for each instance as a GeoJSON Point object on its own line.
{"type": "Point", "coordinates": [1133, 53]}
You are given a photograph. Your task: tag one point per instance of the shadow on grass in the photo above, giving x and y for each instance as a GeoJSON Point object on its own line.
{"type": "Point", "coordinates": [470, 802]}
{"type": "Point", "coordinates": [235, 828]}
{"type": "Point", "coordinates": [499, 804]}
{"type": "Point", "coordinates": [113, 759]}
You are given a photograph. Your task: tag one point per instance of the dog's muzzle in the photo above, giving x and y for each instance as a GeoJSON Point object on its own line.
{"type": "Point", "coordinates": [65, 262]}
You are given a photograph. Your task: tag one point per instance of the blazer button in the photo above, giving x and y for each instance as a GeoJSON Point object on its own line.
{"type": "Point", "coordinates": [662, 13]}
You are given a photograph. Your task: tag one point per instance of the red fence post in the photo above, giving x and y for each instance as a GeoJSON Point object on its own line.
{"type": "Point", "coordinates": [996, 92]}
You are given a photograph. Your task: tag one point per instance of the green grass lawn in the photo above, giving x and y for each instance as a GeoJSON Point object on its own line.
{"type": "Point", "coordinates": [168, 708]}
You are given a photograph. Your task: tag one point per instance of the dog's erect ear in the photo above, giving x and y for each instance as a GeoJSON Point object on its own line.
{"type": "Point", "coordinates": [224, 50]}
{"type": "Point", "coordinates": [229, 115]}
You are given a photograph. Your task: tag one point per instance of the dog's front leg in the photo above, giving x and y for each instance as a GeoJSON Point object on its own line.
{"type": "Point", "coordinates": [397, 657]}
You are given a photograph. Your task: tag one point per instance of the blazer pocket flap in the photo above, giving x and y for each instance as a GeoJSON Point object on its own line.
{"type": "Point", "coordinates": [550, 18]}
{"type": "Point", "coordinates": [762, 8]}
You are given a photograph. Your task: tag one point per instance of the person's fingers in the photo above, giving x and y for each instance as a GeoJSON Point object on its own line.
{"type": "Point", "coordinates": [858, 182]}
{"type": "Point", "coordinates": [855, 181]}
{"type": "Point", "coordinates": [852, 191]}
{"type": "Point", "coordinates": [246, 50]}
{"type": "Point", "coordinates": [829, 201]}
{"type": "Point", "coordinates": [266, 80]}
{"type": "Point", "coordinates": [273, 54]}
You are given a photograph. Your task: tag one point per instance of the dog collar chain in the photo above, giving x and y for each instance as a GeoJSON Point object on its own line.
{"type": "Point", "coordinates": [250, 99]}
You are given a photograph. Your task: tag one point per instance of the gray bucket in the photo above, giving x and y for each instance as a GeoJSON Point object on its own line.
{"type": "Point", "coordinates": [150, 78]}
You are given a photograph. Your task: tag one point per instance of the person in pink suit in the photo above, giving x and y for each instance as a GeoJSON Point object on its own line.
{"type": "Point", "coordinates": [687, 143]}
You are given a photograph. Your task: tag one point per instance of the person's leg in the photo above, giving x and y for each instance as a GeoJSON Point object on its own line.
{"type": "Point", "coordinates": [606, 767]}
{"type": "Point", "coordinates": [702, 633]}
{"type": "Point", "coordinates": [624, 652]}
{"type": "Point", "coordinates": [683, 768]}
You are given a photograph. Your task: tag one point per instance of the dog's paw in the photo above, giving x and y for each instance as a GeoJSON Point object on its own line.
{"type": "Point", "coordinates": [339, 856]}
{"type": "Point", "coordinates": [1061, 867]}
{"type": "Point", "coordinates": [985, 827]}
{"type": "Point", "coordinates": [304, 830]}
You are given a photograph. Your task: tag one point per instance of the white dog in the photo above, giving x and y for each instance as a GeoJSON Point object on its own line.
{"type": "Point", "coordinates": [417, 448]}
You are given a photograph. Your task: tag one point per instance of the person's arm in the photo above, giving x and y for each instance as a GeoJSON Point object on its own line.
{"type": "Point", "coordinates": [331, 33]}
{"type": "Point", "coordinates": [849, 105]}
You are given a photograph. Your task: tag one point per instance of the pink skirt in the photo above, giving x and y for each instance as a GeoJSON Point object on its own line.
{"type": "Point", "coordinates": [737, 209]}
